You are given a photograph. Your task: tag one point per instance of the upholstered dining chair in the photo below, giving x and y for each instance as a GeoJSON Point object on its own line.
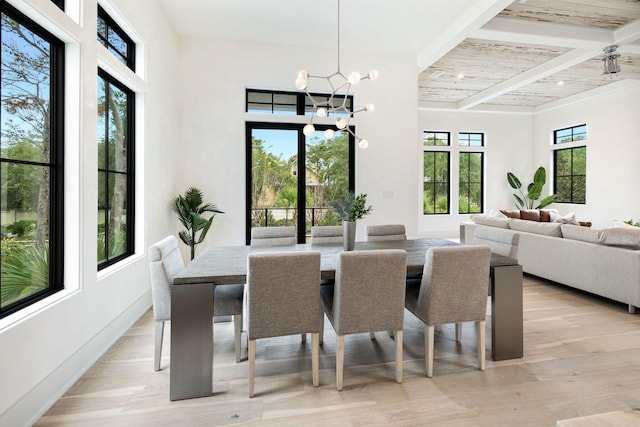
{"type": "Point", "coordinates": [282, 298]}
{"type": "Point", "coordinates": [368, 296]}
{"type": "Point", "coordinates": [165, 262]}
{"type": "Point", "coordinates": [453, 290]}
{"type": "Point", "coordinates": [501, 242]}
{"type": "Point", "coordinates": [273, 236]}
{"type": "Point", "coordinates": [327, 234]}
{"type": "Point", "coordinates": [377, 233]}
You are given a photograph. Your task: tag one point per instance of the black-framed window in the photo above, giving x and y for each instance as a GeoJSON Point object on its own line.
{"type": "Point", "coordinates": [277, 194]}
{"type": "Point", "coordinates": [116, 183]}
{"type": "Point", "coordinates": [570, 175]}
{"type": "Point", "coordinates": [116, 40]}
{"type": "Point", "coordinates": [470, 182]}
{"type": "Point", "coordinates": [31, 162]}
{"type": "Point", "coordinates": [570, 134]}
{"type": "Point", "coordinates": [59, 3]}
{"type": "Point", "coordinates": [436, 164]}
{"type": "Point", "coordinates": [289, 103]}
{"type": "Point", "coordinates": [471, 139]}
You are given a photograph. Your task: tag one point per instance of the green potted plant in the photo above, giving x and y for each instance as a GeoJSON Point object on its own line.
{"type": "Point", "coordinates": [534, 190]}
{"type": "Point", "coordinates": [190, 210]}
{"type": "Point", "coordinates": [350, 207]}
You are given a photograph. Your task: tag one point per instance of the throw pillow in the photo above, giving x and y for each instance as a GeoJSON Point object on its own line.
{"type": "Point", "coordinates": [545, 215]}
{"type": "Point", "coordinates": [497, 213]}
{"type": "Point", "coordinates": [511, 213]}
{"type": "Point", "coordinates": [621, 236]}
{"type": "Point", "coordinates": [576, 232]}
{"type": "Point", "coordinates": [491, 221]}
{"type": "Point", "coordinates": [530, 214]}
{"type": "Point", "coordinates": [567, 219]}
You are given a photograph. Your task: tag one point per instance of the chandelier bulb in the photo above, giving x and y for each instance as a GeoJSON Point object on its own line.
{"type": "Point", "coordinates": [373, 75]}
{"type": "Point", "coordinates": [301, 83]}
{"type": "Point", "coordinates": [363, 143]}
{"type": "Point", "coordinates": [354, 77]}
{"type": "Point", "coordinates": [308, 130]}
{"type": "Point", "coordinates": [329, 133]}
{"type": "Point", "coordinates": [304, 74]}
{"type": "Point", "coordinates": [369, 108]}
{"type": "Point", "coordinates": [341, 123]}
{"type": "Point", "coordinates": [322, 112]}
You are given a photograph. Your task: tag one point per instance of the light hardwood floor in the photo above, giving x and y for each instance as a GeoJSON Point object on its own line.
{"type": "Point", "coordinates": [581, 357]}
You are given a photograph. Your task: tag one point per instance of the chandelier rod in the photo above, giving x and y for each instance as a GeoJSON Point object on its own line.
{"type": "Point", "coordinates": [338, 36]}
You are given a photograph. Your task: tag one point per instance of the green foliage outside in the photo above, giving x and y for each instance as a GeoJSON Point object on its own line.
{"type": "Point", "coordinates": [25, 270]}
{"type": "Point", "coordinates": [571, 172]}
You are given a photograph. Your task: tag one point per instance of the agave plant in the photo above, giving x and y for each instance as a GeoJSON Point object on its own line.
{"type": "Point", "coordinates": [534, 190]}
{"type": "Point", "coordinates": [190, 209]}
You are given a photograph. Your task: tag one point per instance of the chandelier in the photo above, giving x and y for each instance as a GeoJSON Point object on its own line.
{"type": "Point", "coordinates": [610, 60]}
{"type": "Point", "coordinates": [337, 102]}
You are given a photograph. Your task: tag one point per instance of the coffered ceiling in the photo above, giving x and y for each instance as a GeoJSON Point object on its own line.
{"type": "Point", "coordinates": [498, 55]}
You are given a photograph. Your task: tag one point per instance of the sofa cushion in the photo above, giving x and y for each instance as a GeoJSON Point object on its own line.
{"type": "Point", "coordinates": [492, 221]}
{"type": "Point", "coordinates": [544, 228]}
{"type": "Point", "coordinates": [545, 215]}
{"type": "Point", "coordinates": [621, 236]}
{"type": "Point", "coordinates": [576, 232]}
{"type": "Point", "coordinates": [530, 214]}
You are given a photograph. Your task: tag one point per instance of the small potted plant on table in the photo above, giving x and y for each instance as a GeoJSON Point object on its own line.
{"type": "Point", "coordinates": [350, 207]}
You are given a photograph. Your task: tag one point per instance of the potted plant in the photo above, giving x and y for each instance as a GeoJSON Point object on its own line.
{"type": "Point", "coordinates": [534, 190]}
{"type": "Point", "coordinates": [350, 207]}
{"type": "Point", "coordinates": [190, 210]}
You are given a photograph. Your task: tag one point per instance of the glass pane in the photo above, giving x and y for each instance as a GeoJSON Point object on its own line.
{"type": "Point", "coordinates": [436, 138]}
{"type": "Point", "coordinates": [579, 194]}
{"type": "Point", "coordinates": [579, 161]}
{"type": "Point", "coordinates": [103, 206]}
{"type": "Point", "coordinates": [117, 215]}
{"type": "Point", "coordinates": [102, 30]}
{"type": "Point", "coordinates": [327, 176]}
{"type": "Point", "coordinates": [259, 97]}
{"type": "Point", "coordinates": [25, 91]}
{"type": "Point", "coordinates": [284, 109]}
{"type": "Point", "coordinates": [563, 189]}
{"type": "Point", "coordinates": [259, 108]}
{"type": "Point", "coordinates": [563, 162]}
{"type": "Point", "coordinates": [24, 252]}
{"type": "Point", "coordinates": [101, 123]}
{"type": "Point", "coordinates": [274, 192]}
{"type": "Point", "coordinates": [116, 104]}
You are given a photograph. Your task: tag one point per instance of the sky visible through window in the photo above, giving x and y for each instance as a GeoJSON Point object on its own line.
{"type": "Point", "coordinates": [283, 143]}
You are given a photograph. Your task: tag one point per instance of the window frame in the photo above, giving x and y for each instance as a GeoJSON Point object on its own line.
{"type": "Point", "coordinates": [300, 105]}
{"type": "Point", "coordinates": [469, 182]}
{"type": "Point", "coordinates": [56, 162]}
{"type": "Point", "coordinates": [129, 59]}
{"type": "Point", "coordinates": [571, 177]}
{"type": "Point", "coordinates": [435, 149]}
{"type": "Point", "coordinates": [129, 173]}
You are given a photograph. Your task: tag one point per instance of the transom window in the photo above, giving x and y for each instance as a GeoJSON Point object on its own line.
{"type": "Point", "coordinates": [468, 139]}
{"type": "Point", "coordinates": [111, 36]}
{"type": "Point", "coordinates": [575, 133]}
{"type": "Point", "coordinates": [31, 162]}
{"type": "Point", "coordinates": [289, 103]}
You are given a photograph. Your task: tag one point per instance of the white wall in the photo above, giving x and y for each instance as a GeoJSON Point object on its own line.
{"type": "Point", "coordinates": [613, 153]}
{"type": "Point", "coordinates": [46, 347]}
{"type": "Point", "coordinates": [213, 77]}
{"type": "Point", "coordinates": [509, 148]}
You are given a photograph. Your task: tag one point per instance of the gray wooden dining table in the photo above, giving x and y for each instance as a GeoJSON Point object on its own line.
{"type": "Point", "coordinates": [191, 364]}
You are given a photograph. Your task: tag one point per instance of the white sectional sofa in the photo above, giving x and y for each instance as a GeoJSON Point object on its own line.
{"type": "Point", "coordinates": [603, 262]}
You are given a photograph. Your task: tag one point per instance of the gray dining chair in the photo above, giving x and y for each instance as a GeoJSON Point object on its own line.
{"type": "Point", "coordinates": [165, 262]}
{"type": "Point", "coordinates": [453, 290]}
{"type": "Point", "coordinates": [282, 298]}
{"type": "Point", "coordinates": [273, 236]}
{"type": "Point", "coordinates": [327, 234]}
{"type": "Point", "coordinates": [502, 242]}
{"type": "Point", "coordinates": [377, 233]}
{"type": "Point", "coordinates": [368, 296]}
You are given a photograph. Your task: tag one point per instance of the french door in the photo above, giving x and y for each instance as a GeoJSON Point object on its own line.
{"type": "Point", "coordinates": [291, 177]}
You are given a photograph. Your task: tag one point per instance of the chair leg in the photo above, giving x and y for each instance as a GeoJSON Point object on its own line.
{"type": "Point", "coordinates": [321, 333]}
{"type": "Point", "coordinates": [372, 335]}
{"type": "Point", "coordinates": [428, 348]}
{"type": "Point", "coordinates": [158, 346]}
{"type": "Point", "coordinates": [237, 329]}
{"type": "Point", "coordinates": [339, 361]}
{"type": "Point", "coordinates": [252, 364]}
{"type": "Point", "coordinates": [303, 337]}
{"type": "Point", "coordinates": [315, 358]}
{"type": "Point", "coordinates": [481, 338]}
{"type": "Point", "coordinates": [398, 338]}
{"type": "Point", "coordinates": [458, 332]}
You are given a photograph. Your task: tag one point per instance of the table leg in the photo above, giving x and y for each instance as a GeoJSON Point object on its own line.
{"type": "Point", "coordinates": [191, 365]}
{"type": "Point", "coordinates": [506, 312]}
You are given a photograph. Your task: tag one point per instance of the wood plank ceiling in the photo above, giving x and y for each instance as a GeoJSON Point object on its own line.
{"type": "Point", "coordinates": [536, 53]}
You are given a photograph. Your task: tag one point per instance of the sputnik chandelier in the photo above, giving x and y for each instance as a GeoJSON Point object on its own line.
{"type": "Point", "coordinates": [610, 60]}
{"type": "Point", "coordinates": [337, 102]}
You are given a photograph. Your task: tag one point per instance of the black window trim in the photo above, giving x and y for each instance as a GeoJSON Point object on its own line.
{"type": "Point", "coordinates": [555, 174]}
{"type": "Point", "coordinates": [448, 153]}
{"type": "Point", "coordinates": [130, 173]}
{"type": "Point", "coordinates": [301, 99]}
{"type": "Point", "coordinates": [555, 134]}
{"type": "Point", "coordinates": [482, 159]}
{"type": "Point", "coordinates": [56, 162]}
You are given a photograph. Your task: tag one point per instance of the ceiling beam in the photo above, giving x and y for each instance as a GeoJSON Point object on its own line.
{"type": "Point", "coordinates": [548, 68]}
{"type": "Point", "coordinates": [475, 17]}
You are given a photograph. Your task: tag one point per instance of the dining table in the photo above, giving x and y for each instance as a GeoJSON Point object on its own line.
{"type": "Point", "coordinates": [191, 364]}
